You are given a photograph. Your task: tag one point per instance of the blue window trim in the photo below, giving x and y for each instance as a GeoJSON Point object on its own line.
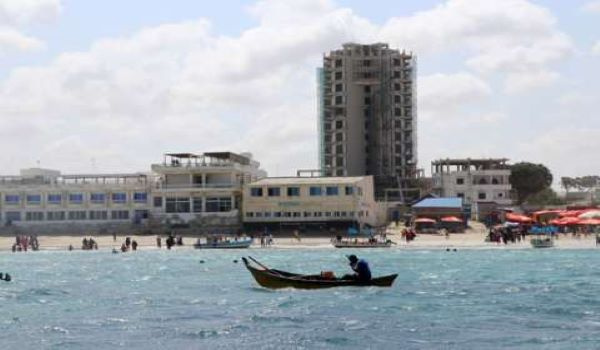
{"type": "Point", "coordinates": [12, 199]}
{"type": "Point", "coordinates": [119, 197]}
{"type": "Point", "coordinates": [140, 197]}
{"type": "Point", "coordinates": [76, 198]}
{"type": "Point", "coordinates": [97, 197]}
{"type": "Point", "coordinates": [316, 191]}
{"type": "Point", "coordinates": [31, 200]}
{"type": "Point", "coordinates": [54, 198]}
{"type": "Point", "coordinates": [331, 190]}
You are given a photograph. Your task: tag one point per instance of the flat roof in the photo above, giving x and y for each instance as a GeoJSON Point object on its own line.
{"type": "Point", "coordinates": [446, 202]}
{"type": "Point", "coordinates": [467, 161]}
{"type": "Point", "coordinates": [325, 180]}
{"type": "Point", "coordinates": [182, 155]}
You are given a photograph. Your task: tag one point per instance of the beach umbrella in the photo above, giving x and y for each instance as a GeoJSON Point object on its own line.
{"type": "Point", "coordinates": [569, 213]}
{"type": "Point", "coordinates": [590, 214]}
{"type": "Point", "coordinates": [568, 220]}
{"type": "Point", "coordinates": [425, 220]}
{"type": "Point", "coordinates": [451, 219]}
{"type": "Point", "coordinates": [518, 218]}
{"type": "Point", "coordinates": [589, 222]}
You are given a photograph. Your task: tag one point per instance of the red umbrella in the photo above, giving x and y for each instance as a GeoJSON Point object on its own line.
{"type": "Point", "coordinates": [568, 220]}
{"type": "Point", "coordinates": [589, 222]}
{"type": "Point", "coordinates": [423, 220]}
{"type": "Point", "coordinates": [518, 218]}
{"type": "Point", "coordinates": [451, 219]}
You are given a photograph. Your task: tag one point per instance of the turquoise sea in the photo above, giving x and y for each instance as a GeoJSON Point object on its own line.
{"type": "Point", "coordinates": [469, 299]}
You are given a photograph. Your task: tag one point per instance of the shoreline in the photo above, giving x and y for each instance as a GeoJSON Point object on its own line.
{"type": "Point", "coordinates": [469, 240]}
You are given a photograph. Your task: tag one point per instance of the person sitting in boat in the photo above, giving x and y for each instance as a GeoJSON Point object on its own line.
{"type": "Point", "coordinates": [361, 269]}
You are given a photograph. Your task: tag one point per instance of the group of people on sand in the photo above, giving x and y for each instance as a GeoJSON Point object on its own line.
{"type": "Point", "coordinates": [89, 244]}
{"type": "Point", "coordinates": [23, 242]}
{"type": "Point", "coordinates": [409, 234]}
{"type": "Point", "coordinates": [266, 240]}
{"type": "Point", "coordinates": [507, 234]}
{"type": "Point", "coordinates": [128, 245]}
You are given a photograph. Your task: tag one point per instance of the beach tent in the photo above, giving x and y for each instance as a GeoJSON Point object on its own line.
{"type": "Point", "coordinates": [451, 219]}
{"type": "Point", "coordinates": [568, 220]}
{"type": "Point", "coordinates": [590, 214]}
{"type": "Point", "coordinates": [425, 220]}
{"type": "Point", "coordinates": [545, 215]}
{"type": "Point", "coordinates": [518, 218]}
{"type": "Point", "coordinates": [589, 222]}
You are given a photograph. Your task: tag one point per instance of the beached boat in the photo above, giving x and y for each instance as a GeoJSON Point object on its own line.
{"type": "Point", "coordinates": [542, 242]}
{"type": "Point", "coordinates": [357, 243]}
{"type": "Point", "coordinates": [275, 279]}
{"type": "Point", "coordinates": [224, 244]}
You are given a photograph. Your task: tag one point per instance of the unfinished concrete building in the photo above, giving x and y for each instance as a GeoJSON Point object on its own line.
{"type": "Point", "coordinates": [367, 117]}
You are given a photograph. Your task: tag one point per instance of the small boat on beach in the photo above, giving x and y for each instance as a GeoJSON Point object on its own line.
{"type": "Point", "coordinates": [542, 242]}
{"type": "Point", "coordinates": [275, 279]}
{"type": "Point", "coordinates": [357, 243]}
{"type": "Point", "coordinates": [224, 244]}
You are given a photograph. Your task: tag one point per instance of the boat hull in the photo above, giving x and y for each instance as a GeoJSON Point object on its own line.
{"type": "Point", "coordinates": [364, 245]}
{"type": "Point", "coordinates": [224, 245]}
{"type": "Point", "coordinates": [542, 243]}
{"type": "Point", "coordinates": [276, 279]}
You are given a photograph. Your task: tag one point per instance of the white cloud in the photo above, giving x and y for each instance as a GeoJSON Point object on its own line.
{"type": "Point", "coordinates": [15, 14]}
{"type": "Point", "coordinates": [596, 49]}
{"type": "Point", "coordinates": [592, 6]}
{"type": "Point", "coordinates": [183, 84]}
{"type": "Point", "coordinates": [519, 82]}
{"type": "Point", "coordinates": [183, 87]}
{"type": "Point", "coordinates": [510, 36]}
{"type": "Point", "coordinates": [442, 92]}
{"type": "Point", "coordinates": [19, 12]}
{"type": "Point", "coordinates": [567, 151]}
{"type": "Point", "coordinates": [11, 39]}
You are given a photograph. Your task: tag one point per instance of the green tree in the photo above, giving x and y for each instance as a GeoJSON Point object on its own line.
{"type": "Point", "coordinates": [528, 179]}
{"type": "Point", "coordinates": [546, 196]}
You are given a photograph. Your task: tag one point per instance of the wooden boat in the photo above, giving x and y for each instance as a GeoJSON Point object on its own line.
{"type": "Point", "coordinates": [542, 242]}
{"type": "Point", "coordinates": [349, 243]}
{"type": "Point", "coordinates": [227, 244]}
{"type": "Point", "coordinates": [275, 279]}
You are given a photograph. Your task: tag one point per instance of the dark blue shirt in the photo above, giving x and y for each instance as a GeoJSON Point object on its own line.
{"type": "Point", "coordinates": [363, 270]}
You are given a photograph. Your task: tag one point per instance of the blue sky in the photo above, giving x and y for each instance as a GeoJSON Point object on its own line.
{"type": "Point", "coordinates": [121, 82]}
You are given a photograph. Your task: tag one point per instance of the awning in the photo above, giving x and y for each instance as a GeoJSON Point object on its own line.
{"type": "Point", "coordinates": [451, 219]}
{"type": "Point", "coordinates": [590, 214]}
{"type": "Point", "coordinates": [589, 222]}
{"type": "Point", "coordinates": [425, 220]}
{"type": "Point", "coordinates": [518, 218]}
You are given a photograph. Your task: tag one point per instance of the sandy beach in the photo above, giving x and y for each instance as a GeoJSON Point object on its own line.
{"type": "Point", "coordinates": [473, 238]}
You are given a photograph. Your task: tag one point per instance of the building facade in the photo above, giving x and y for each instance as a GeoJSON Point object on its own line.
{"type": "Point", "coordinates": [482, 183]}
{"type": "Point", "coordinates": [46, 200]}
{"type": "Point", "coordinates": [310, 203]}
{"type": "Point", "coordinates": [367, 116]}
{"type": "Point", "coordinates": [202, 191]}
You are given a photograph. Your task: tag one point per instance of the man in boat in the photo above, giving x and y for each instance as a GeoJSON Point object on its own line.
{"type": "Point", "coordinates": [361, 269]}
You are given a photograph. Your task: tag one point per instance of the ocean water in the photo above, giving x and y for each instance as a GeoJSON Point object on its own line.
{"type": "Point", "coordinates": [469, 299]}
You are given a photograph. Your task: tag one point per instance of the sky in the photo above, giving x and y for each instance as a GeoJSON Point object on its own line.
{"type": "Point", "coordinates": [109, 86]}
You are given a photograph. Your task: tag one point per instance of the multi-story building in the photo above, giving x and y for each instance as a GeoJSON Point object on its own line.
{"type": "Point", "coordinates": [482, 183]}
{"type": "Point", "coordinates": [367, 116]}
{"type": "Point", "coordinates": [202, 191]}
{"type": "Point", "coordinates": [310, 203]}
{"type": "Point", "coordinates": [46, 200]}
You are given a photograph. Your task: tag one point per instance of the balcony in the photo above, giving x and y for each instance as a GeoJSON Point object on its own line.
{"type": "Point", "coordinates": [229, 186]}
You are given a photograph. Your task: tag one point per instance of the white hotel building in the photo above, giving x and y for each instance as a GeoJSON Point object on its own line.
{"type": "Point", "coordinates": [281, 203]}
{"type": "Point", "coordinates": [185, 189]}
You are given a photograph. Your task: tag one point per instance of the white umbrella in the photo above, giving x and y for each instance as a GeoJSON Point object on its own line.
{"type": "Point", "coordinates": [592, 214]}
